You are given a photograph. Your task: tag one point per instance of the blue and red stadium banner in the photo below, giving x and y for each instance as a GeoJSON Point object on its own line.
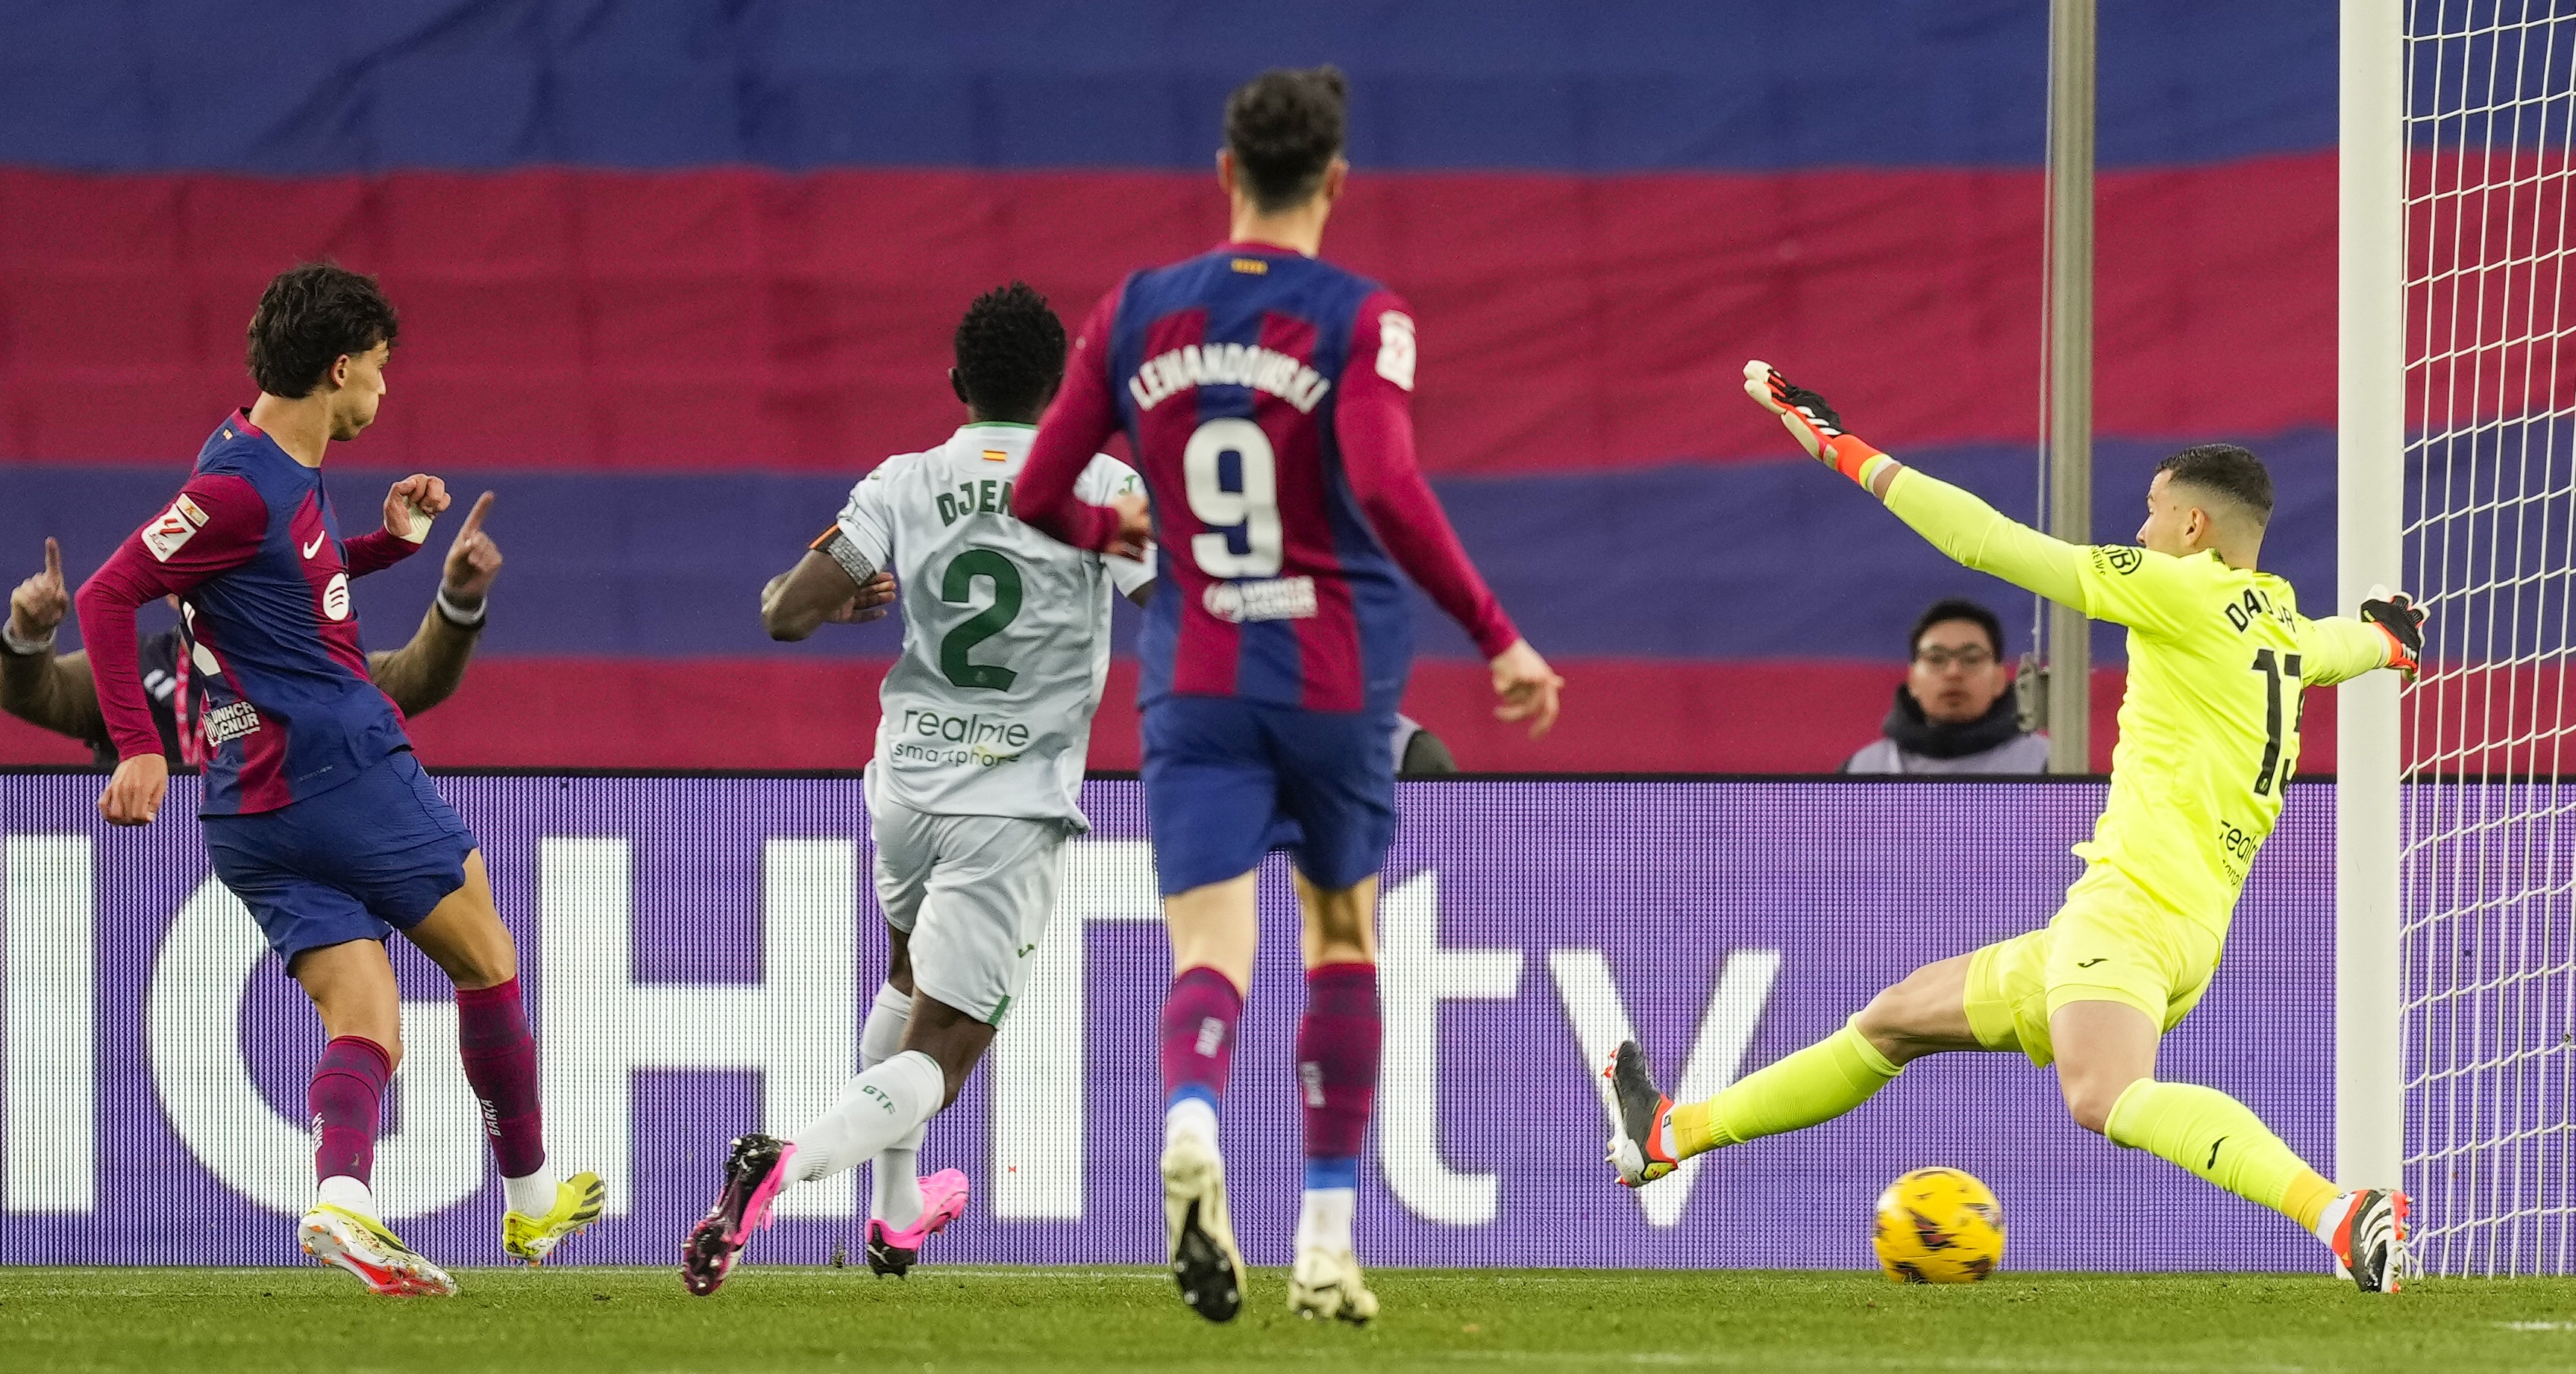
{"type": "Point", "coordinates": [672, 280]}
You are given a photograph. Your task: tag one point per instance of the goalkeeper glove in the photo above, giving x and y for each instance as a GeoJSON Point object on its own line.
{"type": "Point", "coordinates": [2401, 621]}
{"type": "Point", "coordinates": [1809, 420]}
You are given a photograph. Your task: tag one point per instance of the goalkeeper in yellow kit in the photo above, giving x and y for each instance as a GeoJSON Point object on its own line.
{"type": "Point", "coordinates": [2209, 734]}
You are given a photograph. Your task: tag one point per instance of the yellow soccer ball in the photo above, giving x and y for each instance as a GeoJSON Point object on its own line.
{"type": "Point", "coordinates": [1939, 1226]}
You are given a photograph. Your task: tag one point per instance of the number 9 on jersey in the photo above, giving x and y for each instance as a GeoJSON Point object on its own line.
{"type": "Point", "coordinates": [1253, 509]}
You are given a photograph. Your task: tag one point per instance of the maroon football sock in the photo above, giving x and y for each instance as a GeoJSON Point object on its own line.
{"type": "Point", "coordinates": [501, 1065]}
{"type": "Point", "coordinates": [1199, 1014]}
{"type": "Point", "coordinates": [1337, 1052]}
{"type": "Point", "coordinates": [347, 1097]}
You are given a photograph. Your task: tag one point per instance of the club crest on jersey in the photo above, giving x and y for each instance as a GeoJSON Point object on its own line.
{"type": "Point", "coordinates": [2121, 560]}
{"type": "Point", "coordinates": [1272, 598]}
{"type": "Point", "coordinates": [1230, 364]}
{"type": "Point", "coordinates": [335, 597]}
{"type": "Point", "coordinates": [173, 528]}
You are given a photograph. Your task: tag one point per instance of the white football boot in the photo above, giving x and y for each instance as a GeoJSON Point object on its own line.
{"type": "Point", "coordinates": [1205, 1261]}
{"type": "Point", "coordinates": [1327, 1283]}
{"type": "Point", "coordinates": [360, 1244]}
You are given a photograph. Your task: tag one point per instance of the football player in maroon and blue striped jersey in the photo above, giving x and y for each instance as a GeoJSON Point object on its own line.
{"type": "Point", "coordinates": [1267, 396]}
{"type": "Point", "coordinates": [315, 814]}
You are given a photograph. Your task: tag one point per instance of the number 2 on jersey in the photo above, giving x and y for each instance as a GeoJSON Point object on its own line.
{"type": "Point", "coordinates": [1253, 509]}
{"type": "Point", "coordinates": [958, 587]}
{"type": "Point", "coordinates": [2276, 674]}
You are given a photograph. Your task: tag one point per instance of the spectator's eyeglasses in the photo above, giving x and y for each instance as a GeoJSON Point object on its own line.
{"type": "Point", "coordinates": [1969, 660]}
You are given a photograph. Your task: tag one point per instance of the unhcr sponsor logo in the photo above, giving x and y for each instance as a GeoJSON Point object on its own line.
{"type": "Point", "coordinates": [1272, 598]}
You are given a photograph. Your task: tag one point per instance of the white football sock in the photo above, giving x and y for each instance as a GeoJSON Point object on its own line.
{"type": "Point", "coordinates": [2332, 1216]}
{"type": "Point", "coordinates": [1191, 1116]}
{"type": "Point", "coordinates": [878, 1109]}
{"type": "Point", "coordinates": [894, 1175]}
{"type": "Point", "coordinates": [1324, 1219]}
{"type": "Point", "coordinates": [532, 1196]}
{"type": "Point", "coordinates": [881, 1036]}
{"type": "Point", "coordinates": [346, 1193]}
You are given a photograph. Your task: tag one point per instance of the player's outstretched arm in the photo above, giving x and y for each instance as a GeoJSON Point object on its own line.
{"type": "Point", "coordinates": [430, 668]}
{"type": "Point", "coordinates": [1956, 521]}
{"type": "Point", "coordinates": [2389, 634]}
{"type": "Point", "coordinates": [47, 690]}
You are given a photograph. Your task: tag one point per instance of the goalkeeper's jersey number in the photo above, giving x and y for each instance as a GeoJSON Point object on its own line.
{"type": "Point", "coordinates": [2280, 680]}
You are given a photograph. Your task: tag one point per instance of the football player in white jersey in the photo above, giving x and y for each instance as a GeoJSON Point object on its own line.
{"type": "Point", "coordinates": [974, 790]}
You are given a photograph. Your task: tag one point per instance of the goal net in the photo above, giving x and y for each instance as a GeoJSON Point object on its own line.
{"type": "Point", "coordinates": [2488, 848]}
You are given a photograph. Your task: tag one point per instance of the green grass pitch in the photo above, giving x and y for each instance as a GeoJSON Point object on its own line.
{"type": "Point", "coordinates": [777, 1318]}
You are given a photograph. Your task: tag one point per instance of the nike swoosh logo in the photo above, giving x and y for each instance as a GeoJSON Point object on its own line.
{"type": "Point", "coordinates": [2213, 1152]}
{"type": "Point", "coordinates": [2091, 962]}
{"type": "Point", "coordinates": [309, 548]}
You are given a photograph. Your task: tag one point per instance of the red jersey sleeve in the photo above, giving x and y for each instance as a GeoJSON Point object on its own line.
{"type": "Point", "coordinates": [375, 551]}
{"type": "Point", "coordinates": [213, 526]}
{"type": "Point", "coordinates": [1374, 420]}
{"type": "Point", "coordinates": [1084, 415]}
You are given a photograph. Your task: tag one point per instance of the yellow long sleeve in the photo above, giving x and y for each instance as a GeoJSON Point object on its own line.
{"type": "Point", "coordinates": [2339, 649]}
{"type": "Point", "coordinates": [1962, 525]}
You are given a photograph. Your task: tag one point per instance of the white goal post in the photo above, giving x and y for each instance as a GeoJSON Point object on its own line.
{"type": "Point", "coordinates": [2370, 459]}
{"type": "Point", "coordinates": [2455, 958]}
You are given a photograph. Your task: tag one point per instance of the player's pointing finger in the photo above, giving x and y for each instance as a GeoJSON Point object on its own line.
{"type": "Point", "coordinates": [474, 517]}
{"type": "Point", "coordinates": [53, 559]}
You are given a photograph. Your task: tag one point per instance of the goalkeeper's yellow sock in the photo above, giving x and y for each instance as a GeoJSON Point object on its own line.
{"type": "Point", "coordinates": [1818, 1083]}
{"type": "Point", "coordinates": [2220, 1139]}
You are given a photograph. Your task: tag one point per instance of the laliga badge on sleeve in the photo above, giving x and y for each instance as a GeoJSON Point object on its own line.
{"type": "Point", "coordinates": [173, 528]}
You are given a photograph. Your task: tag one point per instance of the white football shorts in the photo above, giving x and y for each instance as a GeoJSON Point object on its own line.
{"type": "Point", "coordinates": [973, 894]}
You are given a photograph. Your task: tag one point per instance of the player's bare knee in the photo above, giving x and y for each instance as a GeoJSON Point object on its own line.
{"type": "Point", "coordinates": [1892, 1023]}
{"type": "Point", "coordinates": [952, 1080]}
{"type": "Point", "coordinates": [482, 964]}
{"type": "Point", "coordinates": [1881, 1019]}
{"type": "Point", "coordinates": [898, 961]}
{"type": "Point", "coordinates": [2090, 1101]}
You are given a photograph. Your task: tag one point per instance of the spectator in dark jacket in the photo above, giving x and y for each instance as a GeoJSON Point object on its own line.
{"type": "Point", "coordinates": [1955, 712]}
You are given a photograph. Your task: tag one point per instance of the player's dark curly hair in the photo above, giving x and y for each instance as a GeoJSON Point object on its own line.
{"type": "Point", "coordinates": [1010, 353]}
{"type": "Point", "coordinates": [1284, 128]}
{"type": "Point", "coordinates": [1951, 608]}
{"type": "Point", "coordinates": [310, 316]}
{"type": "Point", "coordinates": [2228, 469]}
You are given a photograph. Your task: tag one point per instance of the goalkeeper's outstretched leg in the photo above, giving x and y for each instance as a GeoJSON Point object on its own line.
{"type": "Point", "coordinates": [1923, 1014]}
{"type": "Point", "coordinates": [2105, 1053]}
{"type": "Point", "coordinates": [2106, 1063]}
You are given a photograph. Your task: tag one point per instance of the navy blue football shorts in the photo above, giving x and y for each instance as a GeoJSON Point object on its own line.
{"type": "Point", "coordinates": [1227, 781]}
{"type": "Point", "coordinates": [367, 858]}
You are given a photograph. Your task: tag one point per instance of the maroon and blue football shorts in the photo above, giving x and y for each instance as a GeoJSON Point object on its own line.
{"type": "Point", "coordinates": [372, 856]}
{"type": "Point", "coordinates": [1229, 780]}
